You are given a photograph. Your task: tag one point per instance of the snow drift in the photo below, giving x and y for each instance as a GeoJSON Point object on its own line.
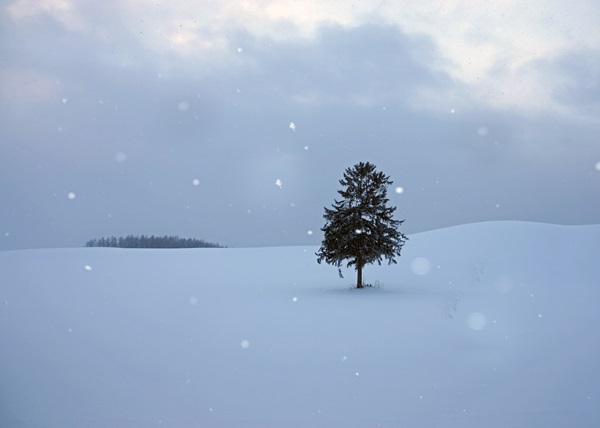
{"type": "Point", "coordinates": [488, 324]}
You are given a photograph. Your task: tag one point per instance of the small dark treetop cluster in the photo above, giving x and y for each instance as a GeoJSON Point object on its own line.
{"type": "Point", "coordinates": [360, 228]}
{"type": "Point", "coordinates": [144, 241]}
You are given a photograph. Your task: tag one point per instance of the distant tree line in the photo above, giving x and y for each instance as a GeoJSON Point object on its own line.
{"type": "Point", "coordinates": [144, 241]}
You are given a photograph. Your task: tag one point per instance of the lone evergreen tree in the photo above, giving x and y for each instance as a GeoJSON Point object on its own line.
{"type": "Point", "coordinates": [360, 228]}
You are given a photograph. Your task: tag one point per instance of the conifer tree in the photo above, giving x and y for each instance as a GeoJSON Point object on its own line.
{"type": "Point", "coordinates": [360, 228]}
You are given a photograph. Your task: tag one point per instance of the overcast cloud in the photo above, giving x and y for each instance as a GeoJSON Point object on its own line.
{"type": "Point", "coordinates": [233, 121]}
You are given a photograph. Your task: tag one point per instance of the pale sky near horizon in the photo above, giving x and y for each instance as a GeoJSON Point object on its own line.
{"type": "Point", "coordinates": [232, 121]}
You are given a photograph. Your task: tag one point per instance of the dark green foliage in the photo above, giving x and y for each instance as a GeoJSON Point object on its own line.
{"type": "Point", "coordinates": [360, 228]}
{"type": "Point", "coordinates": [144, 241]}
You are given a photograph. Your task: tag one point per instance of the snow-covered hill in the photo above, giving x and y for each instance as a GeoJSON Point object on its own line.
{"type": "Point", "coordinates": [483, 325]}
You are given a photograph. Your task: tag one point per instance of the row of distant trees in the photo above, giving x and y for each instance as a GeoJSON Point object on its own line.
{"type": "Point", "coordinates": [144, 241]}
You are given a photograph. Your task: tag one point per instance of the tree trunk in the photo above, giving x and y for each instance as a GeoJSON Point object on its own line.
{"type": "Point", "coordinates": [359, 283]}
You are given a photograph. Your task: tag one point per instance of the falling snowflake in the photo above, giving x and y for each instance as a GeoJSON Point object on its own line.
{"type": "Point", "coordinates": [183, 106]}
{"type": "Point", "coordinates": [420, 266]}
{"type": "Point", "coordinates": [71, 195]}
{"type": "Point", "coordinates": [476, 321]}
{"type": "Point", "coordinates": [598, 166]}
{"type": "Point", "coordinates": [196, 182]}
{"type": "Point", "coordinates": [278, 183]}
{"type": "Point", "coordinates": [399, 190]}
{"type": "Point", "coordinates": [292, 126]}
{"type": "Point", "coordinates": [310, 232]}
{"type": "Point", "coordinates": [121, 157]}
{"type": "Point", "coordinates": [245, 344]}
{"type": "Point", "coordinates": [87, 267]}
{"type": "Point", "coordinates": [483, 131]}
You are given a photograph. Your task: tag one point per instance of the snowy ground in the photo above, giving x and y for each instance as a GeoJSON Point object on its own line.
{"type": "Point", "coordinates": [483, 325]}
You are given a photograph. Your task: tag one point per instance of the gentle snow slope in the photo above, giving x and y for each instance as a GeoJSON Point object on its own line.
{"type": "Point", "coordinates": [483, 325]}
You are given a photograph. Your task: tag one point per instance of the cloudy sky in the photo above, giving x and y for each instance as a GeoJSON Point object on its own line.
{"type": "Point", "coordinates": [232, 121]}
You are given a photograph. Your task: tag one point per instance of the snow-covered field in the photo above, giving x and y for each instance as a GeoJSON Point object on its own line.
{"type": "Point", "coordinates": [483, 325]}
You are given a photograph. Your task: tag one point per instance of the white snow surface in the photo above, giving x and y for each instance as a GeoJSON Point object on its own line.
{"type": "Point", "coordinates": [501, 331]}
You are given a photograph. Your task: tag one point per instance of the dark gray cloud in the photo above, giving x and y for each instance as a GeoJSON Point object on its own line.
{"type": "Point", "coordinates": [579, 73]}
{"type": "Point", "coordinates": [100, 117]}
{"type": "Point", "coordinates": [368, 65]}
